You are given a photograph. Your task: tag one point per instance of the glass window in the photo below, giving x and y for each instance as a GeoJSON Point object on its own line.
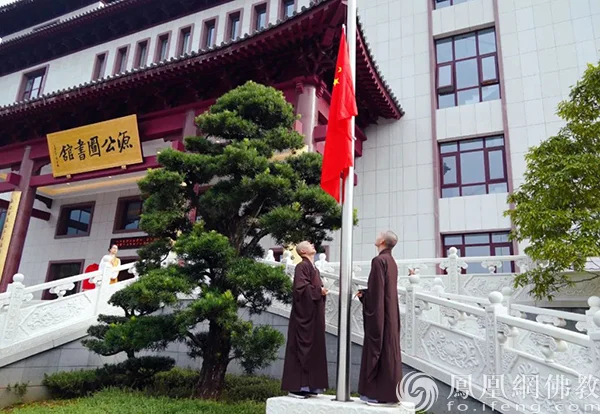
{"type": "Point", "coordinates": [473, 167]}
{"type": "Point", "coordinates": [2, 219]}
{"type": "Point", "coordinates": [162, 48]}
{"type": "Point", "coordinates": [32, 86]}
{"type": "Point", "coordinates": [141, 54]}
{"type": "Point", "coordinates": [59, 271]}
{"type": "Point", "coordinates": [234, 26]}
{"type": "Point", "coordinates": [121, 60]}
{"type": "Point", "coordinates": [100, 66]}
{"type": "Point", "coordinates": [481, 245]}
{"type": "Point", "coordinates": [288, 7]}
{"type": "Point", "coordinates": [440, 4]}
{"type": "Point", "coordinates": [75, 220]}
{"type": "Point", "coordinates": [260, 17]}
{"type": "Point", "coordinates": [185, 37]}
{"type": "Point", "coordinates": [209, 34]}
{"type": "Point", "coordinates": [467, 69]}
{"type": "Point", "coordinates": [129, 213]}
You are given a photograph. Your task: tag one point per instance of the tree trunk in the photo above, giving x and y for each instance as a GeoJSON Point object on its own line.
{"type": "Point", "coordinates": [214, 363]}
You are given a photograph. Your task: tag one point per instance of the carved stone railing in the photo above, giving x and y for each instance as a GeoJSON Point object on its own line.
{"type": "Point", "coordinates": [28, 327]}
{"type": "Point", "coordinates": [478, 347]}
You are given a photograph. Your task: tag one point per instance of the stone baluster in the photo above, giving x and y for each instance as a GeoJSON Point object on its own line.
{"type": "Point", "coordinates": [437, 289]}
{"type": "Point", "coordinates": [9, 328]}
{"type": "Point", "coordinates": [493, 332]}
{"type": "Point", "coordinates": [411, 315]}
{"type": "Point", "coordinates": [594, 334]}
{"type": "Point", "coordinates": [453, 265]}
{"type": "Point", "coordinates": [270, 256]}
{"type": "Point", "coordinates": [594, 304]}
{"type": "Point", "coordinates": [321, 262]}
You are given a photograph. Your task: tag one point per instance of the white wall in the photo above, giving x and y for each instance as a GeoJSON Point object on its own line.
{"type": "Point", "coordinates": [77, 68]}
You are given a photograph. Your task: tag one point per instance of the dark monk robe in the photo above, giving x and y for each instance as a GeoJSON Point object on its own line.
{"type": "Point", "coordinates": [305, 366]}
{"type": "Point", "coordinates": [381, 364]}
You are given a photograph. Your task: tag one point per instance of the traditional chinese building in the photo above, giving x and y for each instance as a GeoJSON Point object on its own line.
{"type": "Point", "coordinates": [479, 81]}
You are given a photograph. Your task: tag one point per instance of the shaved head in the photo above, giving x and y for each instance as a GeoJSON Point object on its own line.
{"type": "Point", "coordinates": [305, 248]}
{"type": "Point", "coordinates": [387, 239]}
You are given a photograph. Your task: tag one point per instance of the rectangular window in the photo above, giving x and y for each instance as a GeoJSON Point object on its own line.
{"type": "Point", "coordinates": [287, 8]}
{"type": "Point", "coordinates": [3, 212]}
{"type": "Point", "coordinates": [481, 245]}
{"type": "Point", "coordinates": [75, 220]}
{"type": "Point", "coordinates": [209, 36]}
{"type": "Point", "coordinates": [33, 84]}
{"type": "Point", "coordinates": [440, 4]}
{"type": "Point", "coordinates": [473, 167]}
{"type": "Point", "coordinates": [260, 16]}
{"type": "Point", "coordinates": [467, 69]}
{"type": "Point", "coordinates": [129, 213]}
{"type": "Point", "coordinates": [63, 270]}
{"type": "Point", "coordinates": [141, 54]}
{"type": "Point", "coordinates": [234, 25]}
{"type": "Point", "coordinates": [185, 41]}
{"type": "Point", "coordinates": [121, 60]}
{"type": "Point", "coordinates": [124, 274]}
{"type": "Point", "coordinates": [162, 47]}
{"type": "Point", "coordinates": [100, 66]}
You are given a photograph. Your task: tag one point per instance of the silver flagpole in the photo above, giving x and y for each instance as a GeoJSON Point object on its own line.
{"type": "Point", "coordinates": [344, 334]}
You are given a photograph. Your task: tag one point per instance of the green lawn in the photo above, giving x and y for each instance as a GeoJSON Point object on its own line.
{"type": "Point", "coordinates": [121, 402]}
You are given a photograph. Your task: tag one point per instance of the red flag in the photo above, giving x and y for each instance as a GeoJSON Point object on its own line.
{"type": "Point", "coordinates": [338, 155]}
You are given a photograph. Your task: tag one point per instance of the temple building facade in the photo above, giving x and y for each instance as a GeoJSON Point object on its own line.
{"type": "Point", "coordinates": [451, 94]}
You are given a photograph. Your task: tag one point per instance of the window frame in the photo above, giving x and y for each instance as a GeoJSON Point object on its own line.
{"type": "Point", "coordinates": [282, 5]}
{"type": "Point", "coordinates": [25, 79]}
{"type": "Point", "coordinates": [445, 7]}
{"type": "Point", "coordinates": [96, 72]}
{"type": "Point", "coordinates": [159, 40]}
{"type": "Point", "coordinates": [137, 58]}
{"type": "Point", "coordinates": [124, 52]}
{"type": "Point", "coordinates": [254, 21]}
{"type": "Point", "coordinates": [60, 221]}
{"type": "Point", "coordinates": [211, 21]}
{"type": "Point", "coordinates": [492, 245]}
{"type": "Point", "coordinates": [120, 211]}
{"type": "Point", "coordinates": [46, 295]}
{"type": "Point", "coordinates": [486, 163]}
{"type": "Point", "coordinates": [240, 15]}
{"type": "Point", "coordinates": [453, 88]}
{"type": "Point", "coordinates": [181, 33]}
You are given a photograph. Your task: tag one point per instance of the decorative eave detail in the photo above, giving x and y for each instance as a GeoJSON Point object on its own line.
{"type": "Point", "coordinates": [371, 88]}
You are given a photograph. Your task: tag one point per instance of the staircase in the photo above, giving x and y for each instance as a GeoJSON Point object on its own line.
{"type": "Point", "coordinates": [470, 333]}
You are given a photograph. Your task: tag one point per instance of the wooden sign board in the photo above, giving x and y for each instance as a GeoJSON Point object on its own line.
{"type": "Point", "coordinates": [109, 144]}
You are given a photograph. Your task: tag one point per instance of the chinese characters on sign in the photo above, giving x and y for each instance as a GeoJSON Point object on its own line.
{"type": "Point", "coordinates": [114, 143]}
{"type": "Point", "coordinates": [132, 242]}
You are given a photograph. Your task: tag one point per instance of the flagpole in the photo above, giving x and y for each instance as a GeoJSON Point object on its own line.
{"type": "Point", "coordinates": [344, 334]}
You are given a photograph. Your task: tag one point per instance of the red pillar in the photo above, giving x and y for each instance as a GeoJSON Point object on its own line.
{"type": "Point", "coordinates": [24, 210]}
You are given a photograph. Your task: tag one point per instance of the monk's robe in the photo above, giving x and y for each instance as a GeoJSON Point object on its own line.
{"type": "Point", "coordinates": [381, 364]}
{"type": "Point", "coordinates": [305, 365]}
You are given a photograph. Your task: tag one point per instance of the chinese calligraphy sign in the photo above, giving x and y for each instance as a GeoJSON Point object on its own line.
{"type": "Point", "coordinates": [114, 143]}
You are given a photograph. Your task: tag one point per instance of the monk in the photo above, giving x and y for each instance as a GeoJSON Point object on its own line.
{"type": "Point", "coordinates": [305, 365]}
{"type": "Point", "coordinates": [381, 364]}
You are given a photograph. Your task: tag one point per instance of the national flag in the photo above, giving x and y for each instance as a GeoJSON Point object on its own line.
{"type": "Point", "coordinates": [338, 155]}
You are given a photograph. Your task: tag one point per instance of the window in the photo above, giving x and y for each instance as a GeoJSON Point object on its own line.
{"type": "Point", "coordinates": [141, 54]}
{"type": "Point", "coordinates": [162, 47]}
{"type": "Point", "coordinates": [287, 8]}
{"type": "Point", "coordinates": [124, 274]}
{"type": "Point", "coordinates": [33, 83]}
{"type": "Point", "coordinates": [121, 60]}
{"type": "Point", "coordinates": [260, 16]}
{"type": "Point", "coordinates": [129, 212]}
{"type": "Point", "coordinates": [473, 167]}
{"type": "Point", "coordinates": [234, 25]}
{"type": "Point", "coordinates": [100, 66]}
{"type": "Point", "coordinates": [3, 212]}
{"type": "Point", "coordinates": [440, 4]}
{"type": "Point", "coordinates": [62, 270]}
{"type": "Point", "coordinates": [209, 36]}
{"type": "Point", "coordinates": [481, 245]}
{"type": "Point", "coordinates": [185, 41]}
{"type": "Point", "coordinates": [467, 69]}
{"type": "Point", "coordinates": [75, 220]}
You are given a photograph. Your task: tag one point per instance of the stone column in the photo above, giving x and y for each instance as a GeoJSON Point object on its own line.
{"type": "Point", "coordinates": [16, 241]}
{"type": "Point", "coordinates": [307, 109]}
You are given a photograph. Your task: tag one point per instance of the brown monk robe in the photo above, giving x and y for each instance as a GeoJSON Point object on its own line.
{"type": "Point", "coordinates": [305, 365]}
{"type": "Point", "coordinates": [381, 364]}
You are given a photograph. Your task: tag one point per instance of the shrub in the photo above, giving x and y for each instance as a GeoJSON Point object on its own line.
{"type": "Point", "coordinates": [176, 383]}
{"type": "Point", "coordinates": [250, 388]}
{"type": "Point", "coordinates": [72, 384]}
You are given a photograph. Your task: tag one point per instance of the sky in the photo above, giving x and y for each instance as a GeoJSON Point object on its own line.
{"type": "Point", "coordinates": [3, 2]}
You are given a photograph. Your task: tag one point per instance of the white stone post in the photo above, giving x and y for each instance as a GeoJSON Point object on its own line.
{"type": "Point", "coordinates": [594, 334]}
{"type": "Point", "coordinates": [493, 345]}
{"type": "Point", "coordinates": [437, 289]}
{"type": "Point", "coordinates": [453, 266]}
{"type": "Point", "coordinates": [411, 315]}
{"type": "Point", "coordinates": [8, 330]}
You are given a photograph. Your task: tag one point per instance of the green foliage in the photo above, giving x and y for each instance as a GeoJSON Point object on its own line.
{"type": "Point", "coordinates": [251, 195]}
{"type": "Point", "coordinates": [19, 389]}
{"type": "Point", "coordinates": [557, 208]}
{"type": "Point", "coordinates": [251, 388]}
{"type": "Point", "coordinates": [176, 383]}
{"type": "Point", "coordinates": [116, 401]}
{"type": "Point", "coordinates": [135, 373]}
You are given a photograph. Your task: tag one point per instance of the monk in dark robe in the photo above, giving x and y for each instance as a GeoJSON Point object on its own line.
{"type": "Point", "coordinates": [381, 364]}
{"type": "Point", "coordinates": [305, 365]}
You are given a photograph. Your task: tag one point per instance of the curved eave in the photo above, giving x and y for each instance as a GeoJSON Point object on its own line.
{"type": "Point", "coordinates": [368, 76]}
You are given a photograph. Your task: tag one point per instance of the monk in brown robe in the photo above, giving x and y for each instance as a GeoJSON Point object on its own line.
{"type": "Point", "coordinates": [381, 364]}
{"type": "Point", "coordinates": [305, 365]}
